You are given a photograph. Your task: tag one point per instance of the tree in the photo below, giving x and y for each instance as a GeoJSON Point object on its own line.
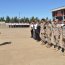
{"type": "Point", "coordinates": [21, 20]}
{"type": "Point", "coordinates": [27, 20]}
{"type": "Point", "coordinates": [37, 19]}
{"type": "Point", "coordinates": [24, 20]}
{"type": "Point", "coordinates": [32, 19]}
{"type": "Point", "coordinates": [15, 19]}
{"type": "Point", "coordinates": [7, 19]}
{"type": "Point", "coordinates": [46, 18]}
{"type": "Point", "coordinates": [43, 19]}
{"type": "Point", "coordinates": [2, 19]}
{"type": "Point", "coordinates": [12, 20]}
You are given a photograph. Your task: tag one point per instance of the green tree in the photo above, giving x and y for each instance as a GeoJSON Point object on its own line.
{"type": "Point", "coordinates": [7, 19]}
{"type": "Point", "coordinates": [21, 20]}
{"type": "Point", "coordinates": [15, 20]}
{"type": "Point", "coordinates": [2, 19]}
{"type": "Point", "coordinates": [37, 19]}
{"type": "Point", "coordinates": [47, 19]}
{"type": "Point", "coordinates": [12, 20]}
{"type": "Point", "coordinates": [32, 19]}
{"type": "Point", "coordinates": [43, 19]}
{"type": "Point", "coordinates": [26, 20]}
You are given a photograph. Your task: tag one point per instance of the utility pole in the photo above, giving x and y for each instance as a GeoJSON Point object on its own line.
{"type": "Point", "coordinates": [19, 17]}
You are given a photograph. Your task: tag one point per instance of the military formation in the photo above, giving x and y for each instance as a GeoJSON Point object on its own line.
{"type": "Point", "coordinates": [53, 34]}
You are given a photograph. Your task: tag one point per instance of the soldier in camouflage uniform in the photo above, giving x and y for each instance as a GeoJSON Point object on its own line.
{"type": "Point", "coordinates": [49, 33]}
{"type": "Point", "coordinates": [42, 31]}
{"type": "Point", "coordinates": [45, 32]}
{"type": "Point", "coordinates": [55, 34]}
{"type": "Point", "coordinates": [59, 36]}
{"type": "Point", "coordinates": [63, 37]}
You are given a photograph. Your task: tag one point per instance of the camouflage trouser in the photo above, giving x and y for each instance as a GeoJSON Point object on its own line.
{"type": "Point", "coordinates": [46, 35]}
{"type": "Point", "coordinates": [49, 38]}
{"type": "Point", "coordinates": [56, 40]}
{"type": "Point", "coordinates": [63, 43]}
{"type": "Point", "coordinates": [43, 37]}
{"type": "Point", "coordinates": [63, 39]}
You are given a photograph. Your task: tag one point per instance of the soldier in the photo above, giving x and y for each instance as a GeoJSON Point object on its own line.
{"type": "Point", "coordinates": [63, 37]}
{"type": "Point", "coordinates": [59, 35]}
{"type": "Point", "coordinates": [42, 31]}
{"type": "Point", "coordinates": [55, 33]}
{"type": "Point", "coordinates": [46, 32]}
{"type": "Point", "coordinates": [49, 33]}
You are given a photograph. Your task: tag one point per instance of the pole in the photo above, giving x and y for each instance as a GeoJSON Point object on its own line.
{"type": "Point", "coordinates": [19, 17]}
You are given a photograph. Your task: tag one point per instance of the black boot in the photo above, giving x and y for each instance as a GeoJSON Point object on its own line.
{"type": "Point", "coordinates": [59, 47]}
{"type": "Point", "coordinates": [62, 50]}
{"type": "Point", "coordinates": [55, 46]}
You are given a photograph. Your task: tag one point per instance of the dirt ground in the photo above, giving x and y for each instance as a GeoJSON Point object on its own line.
{"type": "Point", "coordinates": [24, 50]}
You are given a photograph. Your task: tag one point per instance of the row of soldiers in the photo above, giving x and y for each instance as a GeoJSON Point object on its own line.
{"type": "Point", "coordinates": [53, 34]}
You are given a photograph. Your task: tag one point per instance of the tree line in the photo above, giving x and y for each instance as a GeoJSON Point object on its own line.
{"type": "Point", "coordinates": [20, 20]}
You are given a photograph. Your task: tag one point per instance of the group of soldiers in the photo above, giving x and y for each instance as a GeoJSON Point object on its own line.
{"type": "Point", "coordinates": [53, 34]}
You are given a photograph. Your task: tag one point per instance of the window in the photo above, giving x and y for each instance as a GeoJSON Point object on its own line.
{"type": "Point", "coordinates": [59, 18]}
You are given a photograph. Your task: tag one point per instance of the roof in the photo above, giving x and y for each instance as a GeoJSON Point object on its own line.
{"type": "Point", "coordinates": [56, 9]}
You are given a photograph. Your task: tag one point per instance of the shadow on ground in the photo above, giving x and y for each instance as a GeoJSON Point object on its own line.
{"type": "Point", "coordinates": [5, 43]}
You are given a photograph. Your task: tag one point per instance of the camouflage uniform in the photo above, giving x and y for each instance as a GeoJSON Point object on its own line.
{"type": "Point", "coordinates": [42, 32]}
{"type": "Point", "coordinates": [55, 35]}
{"type": "Point", "coordinates": [59, 36]}
{"type": "Point", "coordinates": [48, 32]}
{"type": "Point", "coordinates": [63, 37]}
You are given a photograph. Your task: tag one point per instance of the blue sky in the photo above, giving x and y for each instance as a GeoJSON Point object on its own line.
{"type": "Point", "coordinates": [29, 8]}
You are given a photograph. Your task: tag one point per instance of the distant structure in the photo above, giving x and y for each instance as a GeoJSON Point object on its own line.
{"type": "Point", "coordinates": [19, 17]}
{"type": "Point", "coordinates": [14, 25]}
{"type": "Point", "coordinates": [3, 24]}
{"type": "Point", "coordinates": [59, 13]}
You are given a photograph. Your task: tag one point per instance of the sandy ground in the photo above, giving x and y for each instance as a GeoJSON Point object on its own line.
{"type": "Point", "coordinates": [24, 50]}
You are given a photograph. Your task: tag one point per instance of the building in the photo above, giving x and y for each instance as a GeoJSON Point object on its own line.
{"type": "Point", "coordinates": [3, 24]}
{"type": "Point", "coordinates": [59, 13]}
